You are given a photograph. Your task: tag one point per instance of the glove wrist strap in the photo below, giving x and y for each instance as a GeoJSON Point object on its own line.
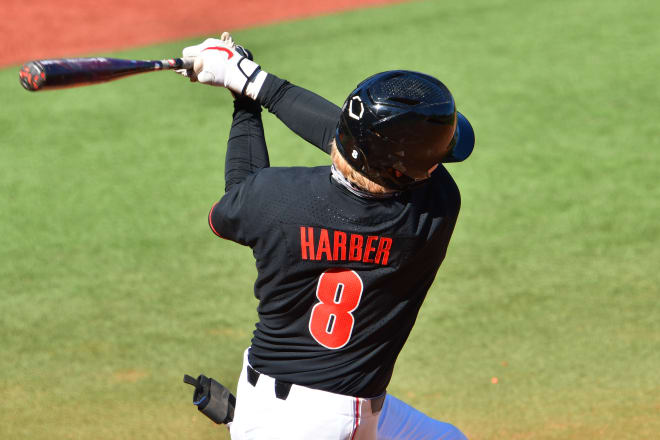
{"type": "Point", "coordinates": [254, 84]}
{"type": "Point", "coordinates": [243, 80]}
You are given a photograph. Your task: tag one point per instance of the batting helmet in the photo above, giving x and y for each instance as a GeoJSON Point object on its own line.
{"type": "Point", "coordinates": [397, 125]}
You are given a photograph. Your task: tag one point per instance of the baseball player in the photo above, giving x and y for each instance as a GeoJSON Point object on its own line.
{"type": "Point", "coordinates": [345, 253]}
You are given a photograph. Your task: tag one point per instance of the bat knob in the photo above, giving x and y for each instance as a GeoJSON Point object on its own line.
{"type": "Point", "coordinates": [32, 76]}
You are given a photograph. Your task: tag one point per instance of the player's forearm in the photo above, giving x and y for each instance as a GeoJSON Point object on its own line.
{"type": "Point", "coordinates": [246, 148]}
{"type": "Point", "coordinates": [307, 114]}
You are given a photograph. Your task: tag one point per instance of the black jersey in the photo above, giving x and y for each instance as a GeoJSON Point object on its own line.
{"type": "Point", "coordinates": [341, 277]}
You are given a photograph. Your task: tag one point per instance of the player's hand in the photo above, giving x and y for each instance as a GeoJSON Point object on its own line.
{"type": "Point", "coordinates": [219, 62]}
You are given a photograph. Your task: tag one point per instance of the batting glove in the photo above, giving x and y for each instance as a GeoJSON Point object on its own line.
{"type": "Point", "coordinates": [219, 62]}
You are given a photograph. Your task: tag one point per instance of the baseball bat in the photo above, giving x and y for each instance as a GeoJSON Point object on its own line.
{"type": "Point", "coordinates": [73, 72]}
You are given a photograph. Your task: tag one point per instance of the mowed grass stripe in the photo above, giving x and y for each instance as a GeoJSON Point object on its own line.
{"type": "Point", "coordinates": [112, 286]}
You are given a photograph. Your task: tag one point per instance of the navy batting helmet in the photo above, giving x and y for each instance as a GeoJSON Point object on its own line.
{"type": "Point", "coordinates": [397, 125]}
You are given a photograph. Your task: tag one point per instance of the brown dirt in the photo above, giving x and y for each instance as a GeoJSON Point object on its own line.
{"type": "Point", "coordinates": [58, 28]}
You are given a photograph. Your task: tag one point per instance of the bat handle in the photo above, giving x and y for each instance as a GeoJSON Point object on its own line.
{"type": "Point", "coordinates": [32, 76]}
{"type": "Point", "coordinates": [178, 63]}
{"type": "Point", "coordinates": [187, 62]}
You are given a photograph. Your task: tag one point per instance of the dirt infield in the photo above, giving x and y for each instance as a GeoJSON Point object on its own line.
{"type": "Point", "coordinates": [58, 28]}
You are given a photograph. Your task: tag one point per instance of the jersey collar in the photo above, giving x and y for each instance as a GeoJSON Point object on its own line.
{"type": "Point", "coordinates": [354, 189]}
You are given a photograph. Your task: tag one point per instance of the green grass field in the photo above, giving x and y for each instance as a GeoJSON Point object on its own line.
{"type": "Point", "coordinates": [112, 286]}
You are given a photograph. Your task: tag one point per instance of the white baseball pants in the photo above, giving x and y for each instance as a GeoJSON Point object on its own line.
{"type": "Point", "coordinates": [308, 414]}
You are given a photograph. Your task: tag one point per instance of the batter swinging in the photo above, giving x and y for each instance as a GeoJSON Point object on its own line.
{"type": "Point", "coordinates": [345, 253]}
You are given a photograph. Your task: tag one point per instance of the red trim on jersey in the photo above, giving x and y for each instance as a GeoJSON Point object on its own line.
{"type": "Point", "coordinates": [221, 49]}
{"type": "Point", "coordinates": [356, 423]}
{"type": "Point", "coordinates": [210, 223]}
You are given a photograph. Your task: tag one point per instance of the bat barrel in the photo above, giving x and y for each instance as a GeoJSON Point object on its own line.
{"type": "Point", "coordinates": [72, 72]}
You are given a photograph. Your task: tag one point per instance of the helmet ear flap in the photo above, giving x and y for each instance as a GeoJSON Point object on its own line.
{"type": "Point", "coordinates": [356, 158]}
{"type": "Point", "coordinates": [348, 146]}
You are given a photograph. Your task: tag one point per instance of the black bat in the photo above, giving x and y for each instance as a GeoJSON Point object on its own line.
{"type": "Point", "coordinates": [74, 72]}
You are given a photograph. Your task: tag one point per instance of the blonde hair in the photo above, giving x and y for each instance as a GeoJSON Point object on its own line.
{"type": "Point", "coordinates": [352, 175]}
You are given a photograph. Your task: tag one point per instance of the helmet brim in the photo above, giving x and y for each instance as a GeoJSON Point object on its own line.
{"type": "Point", "coordinates": [464, 141]}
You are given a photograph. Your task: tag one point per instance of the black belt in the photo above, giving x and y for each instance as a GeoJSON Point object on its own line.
{"type": "Point", "coordinates": [282, 389]}
{"type": "Point", "coordinates": [377, 403]}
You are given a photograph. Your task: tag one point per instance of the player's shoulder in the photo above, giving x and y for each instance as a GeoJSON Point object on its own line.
{"type": "Point", "coordinates": [443, 180]}
{"type": "Point", "coordinates": [444, 186]}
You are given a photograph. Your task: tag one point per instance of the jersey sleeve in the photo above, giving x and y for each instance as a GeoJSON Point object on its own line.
{"type": "Point", "coordinates": [246, 147]}
{"type": "Point", "coordinates": [234, 216]}
{"type": "Point", "coordinates": [307, 114]}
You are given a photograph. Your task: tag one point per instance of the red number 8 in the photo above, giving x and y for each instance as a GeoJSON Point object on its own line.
{"type": "Point", "coordinates": [339, 292]}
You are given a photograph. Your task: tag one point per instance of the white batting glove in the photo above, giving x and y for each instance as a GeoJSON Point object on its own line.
{"type": "Point", "coordinates": [218, 63]}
